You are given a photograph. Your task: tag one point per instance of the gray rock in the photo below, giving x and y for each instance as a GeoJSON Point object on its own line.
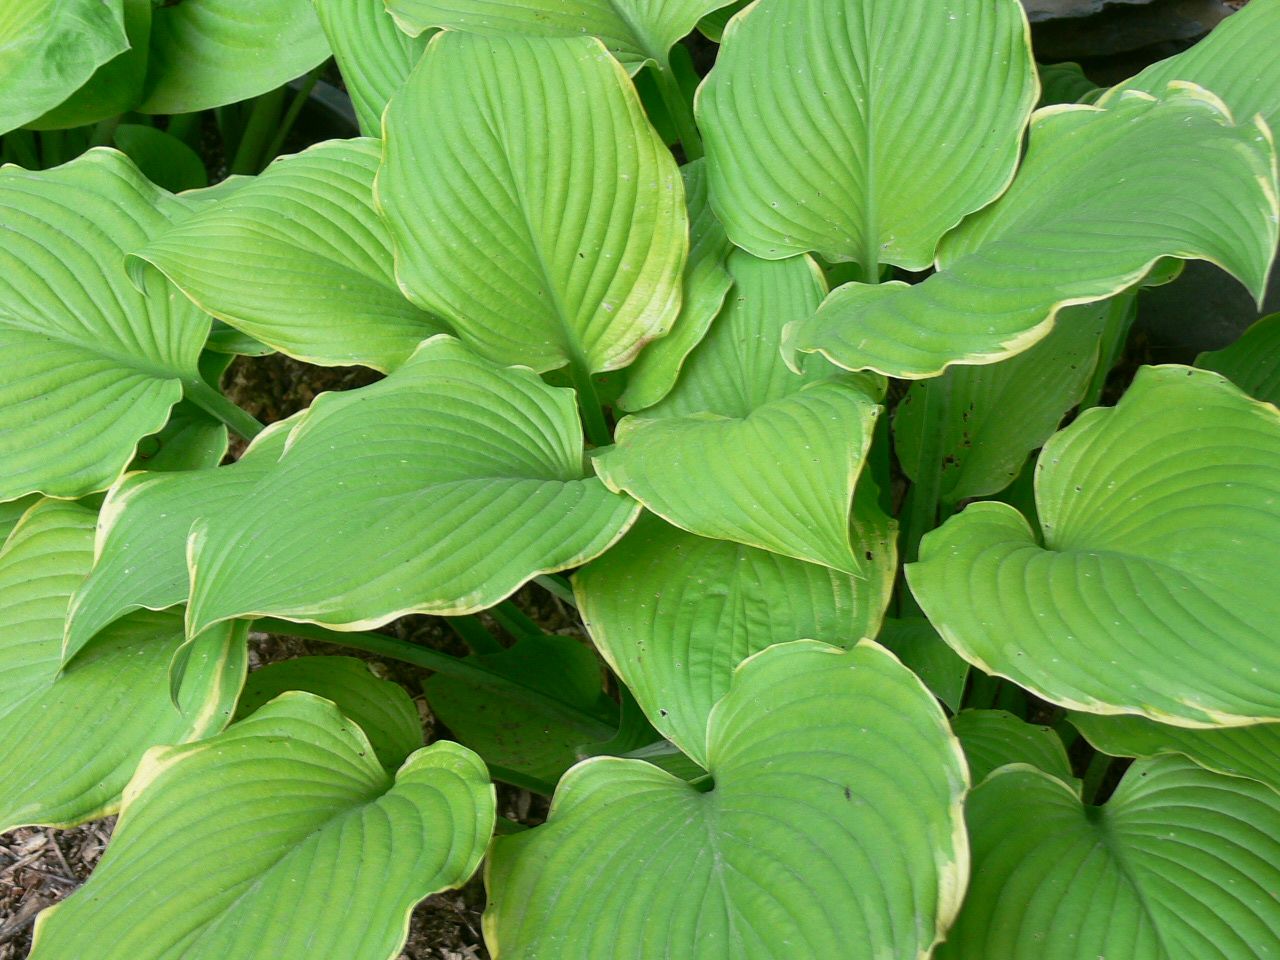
{"type": "Point", "coordinates": [1038, 10]}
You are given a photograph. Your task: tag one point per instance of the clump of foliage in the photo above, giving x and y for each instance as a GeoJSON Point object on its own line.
{"type": "Point", "coordinates": [776, 360]}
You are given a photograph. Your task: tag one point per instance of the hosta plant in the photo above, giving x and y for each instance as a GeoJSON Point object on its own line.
{"type": "Point", "coordinates": [784, 344]}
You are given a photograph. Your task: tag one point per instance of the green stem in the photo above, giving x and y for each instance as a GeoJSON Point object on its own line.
{"type": "Point", "coordinates": [589, 404]}
{"type": "Point", "coordinates": [23, 145]}
{"type": "Point", "coordinates": [513, 620]}
{"type": "Point", "coordinates": [219, 407]}
{"type": "Point", "coordinates": [558, 587]}
{"type": "Point", "coordinates": [983, 691]}
{"type": "Point", "coordinates": [51, 147]}
{"type": "Point", "coordinates": [680, 111]}
{"type": "Point", "coordinates": [290, 117]}
{"type": "Point", "coordinates": [474, 635]}
{"type": "Point", "coordinates": [104, 132]}
{"type": "Point", "coordinates": [1094, 774]}
{"type": "Point", "coordinates": [1121, 313]}
{"type": "Point", "coordinates": [925, 495]}
{"type": "Point", "coordinates": [264, 118]}
{"type": "Point", "coordinates": [186, 127]}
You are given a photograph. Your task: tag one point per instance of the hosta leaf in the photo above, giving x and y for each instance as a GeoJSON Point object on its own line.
{"type": "Point", "coordinates": [1252, 752]}
{"type": "Point", "coordinates": [440, 489]}
{"type": "Point", "coordinates": [1091, 211]}
{"type": "Point", "coordinates": [94, 363]}
{"type": "Point", "coordinates": [675, 614]}
{"type": "Point", "coordinates": [265, 842]}
{"type": "Point", "coordinates": [994, 738]}
{"type": "Point", "coordinates": [834, 821]}
{"type": "Point", "coordinates": [706, 282]}
{"type": "Point", "coordinates": [1155, 591]}
{"type": "Point", "coordinates": [163, 159]}
{"type": "Point", "coordinates": [814, 126]}
{"type": "Point", "coordinates": [635, 31]}
{"type": "Point", "coordinates": [1180, 862]}
{"type": "Point", "coordinates": [375, 56]}
{"type": "Point", "coordinates": [299, 260]}
{"type": "Point", "coordinates": [207, 53]}
{"type": "Point", "coordinates": [1064, 83]}
{"type": "Point", "coordinates": [712, 25]}
{"type": "Point", "coordinates": [11, 512]}
{"type": "Point", "coordinates": [49, 50]}
{"type": "Point", "coordinates": [914, 641]}
{"type": "Point", "coordinates": [1252, 363]}
{"type": "Point", "coordinates": [191, 440]}
{"type": "Point", "coordinates": [71, 739]}
{"type": "Point", "coordinates": [381, 708]}
{"type": "Point", "coordinates": [541, 251]}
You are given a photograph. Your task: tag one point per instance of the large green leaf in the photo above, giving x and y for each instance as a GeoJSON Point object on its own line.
{"type": "Point", "coordinates": [93, 363]}
{"type": "Point", "coordinates": [1180, 863]}
{"type": "Point", "coordinates": [817, 114]}
{"type": "Point", "coordinates": [994, 738]}
{"type": "Point", "coordinates": [834, 826]}
{"type": "Point", "coordinates": [72, 738]}
{"type": "Point", "coordinates": [11, 512]}
{"type": "Point", "coordinates": [299, 260]}
{"type": "Point", "coordinates": [49, 50]}
{"type": "Point", "coordinates": [675, 614]}
{"type": "Point", "coordinates": [281, 839]}
{"type": "Point", "coordinates": [1252, 363]}
{"type": "Point", "coordinates": [743, 449]}
{"type": "Point", "coordinates": [374, 56]}
{"type": "Point", "coordinates": [1156, 589]}
{"type": "Point", "coordinates": [539, 250]}
{"type": "Point", "coordinates": [440, 489]}
{"type": "Point", "coordinates": [1252, 752]}
{"type": "Point", "coordinates": [914, 641]}
{"type": "Point", "coordinates": [191, 440]}
{"type": "Point", "coordinates": [1101, 196]}
{"type": "Point", "coordinates": [163, 159]}
{"type": "Point", "coordinates": [207, 53]}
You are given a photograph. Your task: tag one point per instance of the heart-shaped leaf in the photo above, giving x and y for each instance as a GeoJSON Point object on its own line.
{"type": "Point", "coordinates": [241, 846]}
{"type": "Point", "coordinates": [834, 821]}
{"type": "Point", "coordinates": [1088, 215]}
{"type": "Point", "coordinates": [71, 738]}
{"type": "Point", "coordinates": [1252, 363]}
{"type": "Point", "coordinates": [816, 112]}
{"type": "Point", "coordinates": [1156, 590]}
{"type": "Point", "coordinates": [1180, 862]}
{"type": "Point", "coordinates": [995, 738]}
{"type": "Point", "coordinates": [538, 250]}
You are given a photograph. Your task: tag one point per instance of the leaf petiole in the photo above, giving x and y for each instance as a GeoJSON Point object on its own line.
{"type": "Point", "coordinates": [220, 408]}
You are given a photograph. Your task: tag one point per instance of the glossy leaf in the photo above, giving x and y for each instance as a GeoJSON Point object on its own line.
{"type": "Point", "coordinates": [1252, 363]}
{"type": "Point", "coordinates": [96, 363]}
{"type": "Point", "coordinates": [914, 641]}
{"type": "Point", "coordinates": [1155, 591]}
{"type": "Point", "coordinates": [994, 738]}
{"type": "Point", "coordinates": [1180, 862]}
{"type": "Point", "coordinates": [242, 845]}
{"type": "Point", "coordinates": [1090, 212]}
{"type": "Point", "coordinates": [817, 110]}
{"type": "Point", "coordinates": [71, 739]}
{"type": "Point", "coordinates": [835, 820]}
{"type": "Point", "coordinates": [440, 489]}
{"type": "Point", "coordinates": [675, 614]}
{"type": "Point", "coordinates": [541, 251]}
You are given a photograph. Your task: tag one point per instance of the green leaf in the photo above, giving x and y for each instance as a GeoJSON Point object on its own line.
{"type": "Point", "coordinates": [914, 641]}
{"type": "Point", "coordinates": [375, 57]}
{"type": "Point", "coordinates": [541, 251]}
{"type": "Point", "coordinates": [712, 25]}
{"type": "Point", "coordinates": [265, 842]}
{"type": "Point", "coordinates": [536, 735]}
{"type": "Point", "coordinates": [675, 614]}
{"type": "Point", "coordinates": [163, 159]}
{"type": "Point", "coordinates": [1252, 752]}
{"type": "Point", "coordinates": [11, 512]}
{"type": "Point", "coordinates": [835, 820]}
{"type": "Point", "coordinates": [1101, 197]}
{"type": "Point", "coordinates": [706, 283]}
{"type": "Point", "coordinates": [1180, 862]}
{"type": "Point", "coordinates": [1155, 592]}
{"type": "Point", "coordinates": [1064, 83]}
{"type": "Point", "coordinates": [634, 31]}
{"type": "Point", "coordinates": [994, 738]}
{"type": "Point", "coordinates": [191, 440]}
{"type": "Point", "coordinates": [817, 114]}
{"type": "Point", "coordinates": [100, 361]}
{"type": "Point", "coordinates": [208, 53]}
{"type": "Point", "coordinates": [299, 260]}
{"type": "Point", "coordinates": [382, 709]}
{"type": "Point", "coordinates": [49, 50]}
{"type": "Point", "coordinates": [71, 739]}
{"type": "Point", "coordinates": [440, 489]}
{"type": "Point", "coordinates": [1252, 363]}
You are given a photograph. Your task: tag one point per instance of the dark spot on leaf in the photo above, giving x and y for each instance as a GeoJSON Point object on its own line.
{"type": "Point", "coordinates": [848, 794]}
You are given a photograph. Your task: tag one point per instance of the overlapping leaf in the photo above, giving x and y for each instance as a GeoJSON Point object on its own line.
{"type": "Point", "coordinates": [834, 821]}
{"type": "Point", "coordinates": [1252, 363]}
{"type": "Point", "coordinates": [72, 738]}
{"type": "Point", "coordinates": [914, 641]}
{"type": "Point", "coordinates": [816, 114]}
{"type": "Point", "coordinates": [242, 845]}
{"type": "Point", "coordinates": [994, 738]}
{"type": "Point", "coordinates": [539, 250]}
{"type": "Point", "coordinates": [1156, 589]}
{"type": "Point", "coordinates": [299, 259]}
{"type": "Point", "coordinates": [1090, 212]}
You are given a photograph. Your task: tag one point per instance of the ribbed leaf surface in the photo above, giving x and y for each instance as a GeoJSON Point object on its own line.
{"type": "Point", "coordinates": [440, 489]}
{"type": "Point", "coordinates": [834, 830]}
{"type": "Point", "coordinates": [538, 250]}
{"type": "Point", "coordinates": [993, 738]}
{"type": "Point", "coordinates": [71, 739]}
{"type": "Point", "coordinates": [93, 365]}
{"type": "Point", "coordinates": [271, 840]}
{"type": "Point", "coordinates": [1252, 363]}
{"type": "Point", "coordinates": [815, 123]}
{"type": "Point", "coordinates": [1180, 863]}
{"type": "Point", "coordinates": [1101, 196]}
{"type": "Point", "coordinates": [1156, 589]}
{"type": "Point", "coordinates": [675, 614]}
{"type": "Point", "coordinates": [11, 512]}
